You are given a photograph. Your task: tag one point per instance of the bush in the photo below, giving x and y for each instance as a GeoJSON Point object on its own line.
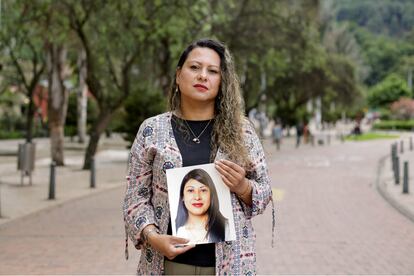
{"type": "Point", "coordinates": [391, 89]}
{"type": "Point", "coordinates": [403, 109]}
{"type": "Point", "coordinates": [395, 125]}
{"type": "Point", "coordinates": [11, 134]}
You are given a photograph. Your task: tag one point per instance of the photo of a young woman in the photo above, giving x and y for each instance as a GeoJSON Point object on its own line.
{"type": "Point", "coordinates": [198, 216]}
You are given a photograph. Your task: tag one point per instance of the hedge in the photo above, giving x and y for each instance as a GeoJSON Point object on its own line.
{"type": "Point", "coordinates": [395, 125]}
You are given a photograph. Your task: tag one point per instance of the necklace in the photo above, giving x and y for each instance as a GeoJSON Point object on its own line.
{"type": "Point", "coordinates": [196, 138]}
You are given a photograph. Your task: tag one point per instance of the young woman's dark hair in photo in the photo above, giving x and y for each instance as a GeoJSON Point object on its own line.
{"type": "Point", "coordinates": [216, 222]}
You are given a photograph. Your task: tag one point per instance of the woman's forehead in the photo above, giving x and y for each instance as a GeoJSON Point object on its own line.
{"type": "Point", "coordinates": [205, 56]}
{"type": "Point", "coordinates": [194, 183]}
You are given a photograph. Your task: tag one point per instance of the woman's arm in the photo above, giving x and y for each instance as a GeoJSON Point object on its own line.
{"type": "Point", "coordinates": [138, 210]}
{"type": "Point", "coordinates": [257, 174]}
{"type": "Point", "coordinates": [252, 186]}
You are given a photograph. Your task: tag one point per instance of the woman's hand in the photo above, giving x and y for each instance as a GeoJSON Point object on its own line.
{"type": "Point", "coordinates": [169, 246]}
{"type": "Point", "coordinates": [233, 176]}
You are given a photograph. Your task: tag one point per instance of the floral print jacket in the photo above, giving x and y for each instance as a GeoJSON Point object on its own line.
{"type": "Point", "coordinates": [146, 200]}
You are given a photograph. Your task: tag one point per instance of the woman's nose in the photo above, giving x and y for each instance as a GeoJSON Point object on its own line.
{"type": "Point", "coordinates": [202, 75]}
{"type": "Point", "coordinates": [197, 195]}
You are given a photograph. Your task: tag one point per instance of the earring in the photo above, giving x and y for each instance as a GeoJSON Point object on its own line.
{"type": "Point", "coordinates": [176, 89]}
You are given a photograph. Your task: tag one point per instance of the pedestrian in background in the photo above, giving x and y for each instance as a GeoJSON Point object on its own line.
{"type": "Point", "coordinates": [299, 133]}
{"type": "Point", "coordinates": [277, 133]}
{"type": "Point", "coordinates": [205, 124]}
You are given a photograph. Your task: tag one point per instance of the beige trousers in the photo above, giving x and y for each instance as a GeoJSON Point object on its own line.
{"type": "Point", "coordinates": [172, 268]}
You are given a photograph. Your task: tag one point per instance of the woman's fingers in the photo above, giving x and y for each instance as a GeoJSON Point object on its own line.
{"type": "Point", "coordinates": [225, 171]}
{"type": "Point", "coordinates": [171, 246]}
{"type": "Point", "coordinates": [178, 240]}
{"type": "Point", "coordinates": [233, 166]}
{"type": "Point", "coordinates": [232, 171]}
{"type": "Point", "coordinates": [228, 183]}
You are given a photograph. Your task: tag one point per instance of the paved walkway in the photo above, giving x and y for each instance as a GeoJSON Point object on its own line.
{"type": "Point", "coordinates": [330, 218]}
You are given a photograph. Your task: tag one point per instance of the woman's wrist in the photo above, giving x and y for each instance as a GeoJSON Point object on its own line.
{"type": "Point", "coordinates": [246, 190]}
{"type": "Point", "coordinates": [149, 231]}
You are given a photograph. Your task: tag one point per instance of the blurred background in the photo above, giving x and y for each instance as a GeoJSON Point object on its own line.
{"type": "Point", "coordinates": [85, 68]}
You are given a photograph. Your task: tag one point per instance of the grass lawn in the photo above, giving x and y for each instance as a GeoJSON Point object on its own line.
{"type": "Point", "coordinates": [370, 136]}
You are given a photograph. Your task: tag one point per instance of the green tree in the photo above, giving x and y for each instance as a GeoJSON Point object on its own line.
{"type": "Point", "coordinates": [391, 89]}
{"type": "Point", "coordinates": [23, 59]}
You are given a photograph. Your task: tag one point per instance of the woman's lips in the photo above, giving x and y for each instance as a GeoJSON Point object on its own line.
{"type": "Point", "coordinates": [198, 205]}
{"type": "Point", "coordinates": [200, 87]}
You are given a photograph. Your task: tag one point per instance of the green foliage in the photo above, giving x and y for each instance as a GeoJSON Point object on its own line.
{"type": "Point", "coordinates": [389, 90]}
{"type": "Point", "coordinates": [11, 134]}
{"type": "Point", "coordinates": [393, 18]}
{"type": "Point", "coordinates": [383, 29]}
{"type": "Point", "coordinates": [395, 125]}
{"type": "Point", "coordinates": [138, 107]}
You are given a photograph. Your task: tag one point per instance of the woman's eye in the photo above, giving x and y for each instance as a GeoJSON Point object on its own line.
{"type": "Point", "coordinates": [194, 67]}
{"type": "Point", "coordinates": [190, 190]}
{"type": "Point", "coordinates": [213, 71]}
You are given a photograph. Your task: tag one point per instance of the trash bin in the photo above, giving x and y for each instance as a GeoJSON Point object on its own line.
{"type": "Point", "coordinates": [26, 159]}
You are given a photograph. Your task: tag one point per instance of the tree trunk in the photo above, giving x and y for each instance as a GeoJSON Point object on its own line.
{"type": "Point", "coordinates": [82, 102]}
{"type": "Point", "coordinates": [97, 129]}
{"type": "Point", "coordinates": [58, 101]}
{"type": "Point", "coordinates": [29, 117]}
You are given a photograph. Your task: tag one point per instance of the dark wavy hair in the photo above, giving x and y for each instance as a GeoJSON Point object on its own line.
{"type": "Point", "coordinates": [216, 221]}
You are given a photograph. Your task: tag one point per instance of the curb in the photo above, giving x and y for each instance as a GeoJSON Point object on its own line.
{"type": "Point", "coordinates": [383, 191]}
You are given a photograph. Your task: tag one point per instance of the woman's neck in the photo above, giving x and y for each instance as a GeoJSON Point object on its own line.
{"type": "Point", "coordinates": [197, 221]}
{"type": "Point", "coordinates": [197, 112]}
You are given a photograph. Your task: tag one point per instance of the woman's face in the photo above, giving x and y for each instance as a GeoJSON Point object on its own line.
{"type": "Point", "coordinates": [199, 78]}
{"type": "Point", "coordinates": [196, 197]}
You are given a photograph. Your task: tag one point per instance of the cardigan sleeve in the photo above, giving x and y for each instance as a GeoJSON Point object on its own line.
{"type": "Point", "coordinates": [137, 208]}
{"type": "Point", "coordinates": [256, 173]}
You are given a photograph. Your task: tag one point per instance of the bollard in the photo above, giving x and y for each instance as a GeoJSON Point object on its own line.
{"type": "Point", "coordinates": [402, 146]}
{"type": "Point", "coordinates": [405, 182]}
{"type": "Point", "coordinates": [411, 143]}
{"type": "Point", "coordinates": [394, 155]}
{"type": "Point", "coordinates": [52, 180]}
{"type": "Point", "coordinates": [397, 170]}
{"type": "Point", "coordinates": [92, 173]}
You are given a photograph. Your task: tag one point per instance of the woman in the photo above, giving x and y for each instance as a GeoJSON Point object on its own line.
{"type": "Point", "coordinates": [198, 216]}
{"type": "Point", "coordinates": [206, 123]}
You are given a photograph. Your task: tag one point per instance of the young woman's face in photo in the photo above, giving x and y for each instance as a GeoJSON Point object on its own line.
{"type": "Point", "coordinates": [199, 78]}
{"type": "Point", "coordinates": [196, 197]}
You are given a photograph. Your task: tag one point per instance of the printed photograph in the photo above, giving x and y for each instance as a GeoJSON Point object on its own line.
{"type": "Point", "coordinates": [200, 205]}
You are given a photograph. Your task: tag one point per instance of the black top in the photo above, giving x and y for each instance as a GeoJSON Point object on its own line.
{"type": "Point", "coordinates": [195, 154]}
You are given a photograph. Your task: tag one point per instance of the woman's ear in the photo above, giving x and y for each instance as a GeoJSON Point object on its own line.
{"type": "Point", "coordinates": [177, 76]}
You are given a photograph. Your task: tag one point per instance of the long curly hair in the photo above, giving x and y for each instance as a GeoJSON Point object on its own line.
{"type": "Point", "coordinates": [229, 106]}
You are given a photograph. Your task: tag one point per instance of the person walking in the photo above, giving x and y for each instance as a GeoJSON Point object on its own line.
{"type": "Point", "coordinates": [299, 133]}
{"type": "Point", "coordinates": [277, 133]}
{"type": "Point", "coordinates": [205, 123]}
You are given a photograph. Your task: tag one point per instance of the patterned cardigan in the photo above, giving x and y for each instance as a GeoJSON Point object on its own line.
{"type": "Point", "coordinates": [146, 200]}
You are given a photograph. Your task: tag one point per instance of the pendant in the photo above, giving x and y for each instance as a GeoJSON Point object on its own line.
{"type": "Point", "coordinates": [196, 140]}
